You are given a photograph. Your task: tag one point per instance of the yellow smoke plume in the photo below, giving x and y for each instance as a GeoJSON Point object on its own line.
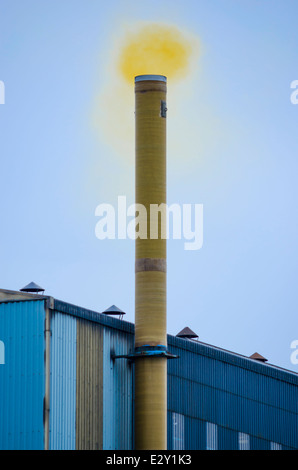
{"type": "Point", "coordinates": [141, 48]}
{"type": "Point", "coordinates": [155, 49]}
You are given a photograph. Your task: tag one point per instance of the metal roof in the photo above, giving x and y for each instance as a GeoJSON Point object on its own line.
{"type": "Point", "coordinates": [173, 341]}
{"type": "Point", "coordinates": [15, 296]}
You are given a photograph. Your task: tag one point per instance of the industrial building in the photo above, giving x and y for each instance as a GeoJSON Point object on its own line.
{"type": "Point", "coordinates": [71, 378]}
{"type": "Point", "coordinates": [67, 381]}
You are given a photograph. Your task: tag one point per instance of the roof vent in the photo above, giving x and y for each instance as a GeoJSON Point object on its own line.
{"type": "Point", "coordinates": [32, 287]}
{"type": "Point", "coordinates": [187, 333]}
{"type": "Point", "coordinates": [257, 357]}
{"type": "Point", "coordinates": [113, 310]}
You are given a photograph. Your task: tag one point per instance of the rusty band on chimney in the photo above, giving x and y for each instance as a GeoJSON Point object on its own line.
{"type": "Point", "coordinates": [151, 264]}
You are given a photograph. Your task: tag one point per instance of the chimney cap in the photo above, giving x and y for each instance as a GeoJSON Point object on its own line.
{"type": "Point", "coordinates": [187, 333]}
{"type": "Point", "coordinates": [113, 310]}
{"type": "Point", "coordinates": [257, 357]}
{"type": "Point", "coordinates": [158, 78]}
{"type": "Point", "coordinates": [32, 287]}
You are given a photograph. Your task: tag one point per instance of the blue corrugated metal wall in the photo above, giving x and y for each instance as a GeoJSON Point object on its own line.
{"type": "Point", "coordinates": [22, 375]}
{"type": "Point", "coordinates": [117, 377]}
{"type": "Point", "coordinates": [117, 391]}
{"type": "Point", "coordinates": [236, 393]}
{"type": "Point", "coordinates": [216, 399]}
{"type": "Point", "coordinates": [63, 382]}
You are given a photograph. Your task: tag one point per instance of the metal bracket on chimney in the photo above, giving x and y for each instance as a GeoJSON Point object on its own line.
{"type": "Point", "coordinates": [163, 109]}
{"type": "Point", "coordinates": [147, 351]}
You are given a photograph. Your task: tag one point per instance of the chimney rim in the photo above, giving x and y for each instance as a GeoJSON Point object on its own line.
{"type": "Point", "coordinates": [143, 78]}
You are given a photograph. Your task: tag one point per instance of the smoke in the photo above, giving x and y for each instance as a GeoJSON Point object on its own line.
{"type": "Point", "coordinates": [142, 49]}
{"type": "Point", "coordinates": [138, 49]}
{"type": "Point", "coordinates": [155, 49]}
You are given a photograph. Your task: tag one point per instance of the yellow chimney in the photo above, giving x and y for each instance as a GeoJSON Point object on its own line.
{"type": "Point", "coordinates": [150, 267]}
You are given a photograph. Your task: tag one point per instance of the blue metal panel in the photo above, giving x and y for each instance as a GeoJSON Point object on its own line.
{"type": "Point", "coordinates": [117, 391]}
{"type": "Point", "coordinates": [63, 382]}
{"type": "Point", "coordinates": [259, 444]}
{"type": "Point", "coordinates": [205, 385]}
{"type": "Point", "coordinates": [227, 439]}
{"type": "Point", "coordinates": [236, 393]}
{"type": "Point", "coordinates": [22, 376]}
{"type": "Point", "coordinates": [195, 434]}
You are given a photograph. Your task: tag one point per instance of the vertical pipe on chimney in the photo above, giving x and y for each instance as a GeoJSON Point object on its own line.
{"type": "Point", "coordinates": [150, 266]}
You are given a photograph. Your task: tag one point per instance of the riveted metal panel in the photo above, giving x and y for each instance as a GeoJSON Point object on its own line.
{"type": "Point", "coordinates": [117, 391]}
{"type": "Point", "coordinates": [22, 375]}
{"type": "Point", "coordinates": [63, 381]}
{"type": "Point", "coordinates": [89, 389]}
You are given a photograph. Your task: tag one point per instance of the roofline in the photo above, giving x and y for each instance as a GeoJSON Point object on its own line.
{"type": "Point", "coordinates": [91, 315]}
{"type": "Point", "coordinates": [18, 296]}
{"type": "Point", "coordinates": [194, 346]}
{"type": "Point", "coordinates": [238, 359]}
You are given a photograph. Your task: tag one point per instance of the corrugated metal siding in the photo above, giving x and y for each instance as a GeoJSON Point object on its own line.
{"type": "Point", "coordinates": [234, 394]}
{"type": "Point", "coordinates": [63, 381]}
{"type": "Point", "coordinates": [22, 375]}
{"type": "Point", "coordinates": [117, 391]}
{"type": "Point", "coordinates": [91, 395]}
{"type": "Point", "coordinates": [89, 392]}
{"type": "Point", "coordinates": [99, 413]}
{"type": "Point", "coordinates": [194, 433]}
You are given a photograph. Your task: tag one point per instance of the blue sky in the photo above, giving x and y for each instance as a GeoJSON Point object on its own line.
{"type": "Point", "coordinates": [239, 291]}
